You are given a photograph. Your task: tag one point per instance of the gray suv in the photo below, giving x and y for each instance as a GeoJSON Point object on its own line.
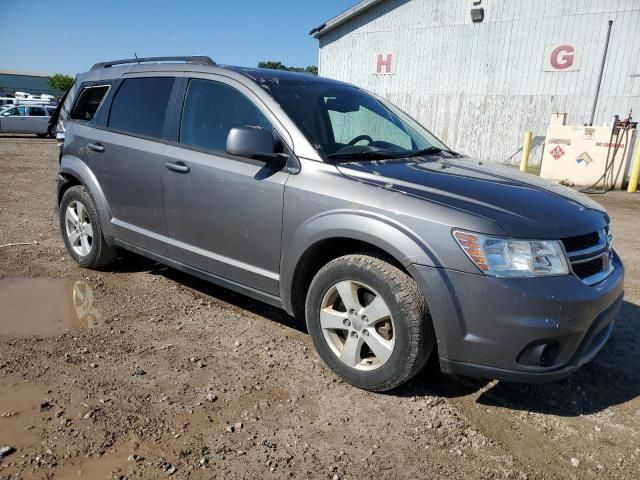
{"type": "Point", "coordinates": [327, 201]}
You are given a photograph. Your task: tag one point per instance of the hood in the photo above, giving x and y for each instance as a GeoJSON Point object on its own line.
{"type": "Point", "coordinates": [522, 204]}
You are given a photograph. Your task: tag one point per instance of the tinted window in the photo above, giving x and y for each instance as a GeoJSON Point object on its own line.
{"type": "Point", "coordinates": [37, 112]}
{"type": "Point", "coordinates": [211, 109]}
{"type": "Point", "coordinates": [88, 102]}
{"type": "Point", "coordinates": [140, 105]}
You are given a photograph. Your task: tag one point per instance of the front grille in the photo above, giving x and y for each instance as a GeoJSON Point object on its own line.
{"type": "Point", "coordinates": [581, 242]}
{"type": "Point", "coordinates": [588, 269]}
{"type": "Point", "coordinates": [590, 255]}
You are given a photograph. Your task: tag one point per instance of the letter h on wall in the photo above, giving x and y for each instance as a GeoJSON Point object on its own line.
{"type": "Point", "coordinates": [384, 63]}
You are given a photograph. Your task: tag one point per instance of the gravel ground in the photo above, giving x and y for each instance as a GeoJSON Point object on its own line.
{"type": "Point", "coordinates": [178, 378]}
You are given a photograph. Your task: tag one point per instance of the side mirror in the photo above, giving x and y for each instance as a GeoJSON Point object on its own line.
{"type": "Point", "coordinates": [251, 142]}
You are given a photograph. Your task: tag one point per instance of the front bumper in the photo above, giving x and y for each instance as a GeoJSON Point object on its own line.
{"type": "Point", "coordinates": [487, 327]}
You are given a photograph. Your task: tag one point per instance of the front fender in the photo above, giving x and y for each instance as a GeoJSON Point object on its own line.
{"type": "Point", "coordinates": [377, 230]}
{"type": "Point", "coordinates": [73, 166]}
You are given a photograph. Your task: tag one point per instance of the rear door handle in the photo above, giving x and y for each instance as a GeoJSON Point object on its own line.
{"type": "Point", "coordinates": [177, 167]}
{"type": "Point", "coordinates": [96, 147]}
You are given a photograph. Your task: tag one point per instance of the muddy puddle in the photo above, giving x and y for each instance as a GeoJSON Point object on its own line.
{"type": "Point", "coordinates": [20, 419]}
{"type": "Point", "coordinates": [45, 307]}
{"type": "Point", "coordinates": [25, 410]}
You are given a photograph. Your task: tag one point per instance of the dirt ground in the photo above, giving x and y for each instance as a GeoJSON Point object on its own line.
{"type": "Point", "coordinates": [165, 376]}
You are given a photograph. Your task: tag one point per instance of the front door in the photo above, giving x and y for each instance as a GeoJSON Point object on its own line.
{"type": "Point", "coordinates": [224, 213]}
{"type": "Point", "coordinates": [14, 120]}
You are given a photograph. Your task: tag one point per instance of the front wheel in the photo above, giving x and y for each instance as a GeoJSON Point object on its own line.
{"type": "Point", "coordinates": [51, 131]}
{"type": "Point", "coordinates": [369, 322]}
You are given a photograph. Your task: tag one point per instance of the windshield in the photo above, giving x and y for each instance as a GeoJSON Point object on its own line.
{"type": "Point", "coordinates": [343, 121]}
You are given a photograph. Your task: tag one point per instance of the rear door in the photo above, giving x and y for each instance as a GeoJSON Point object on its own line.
{"type": "Point", "coordinates": [127, 157]}
{"type": "Point", "coordinates": [224, 213]}
{"type": "Point", "coordinates": [14, 120]}
{"type": "Point", "coordinates": [38, 119]}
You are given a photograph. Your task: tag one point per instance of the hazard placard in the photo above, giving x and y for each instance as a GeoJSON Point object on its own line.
{"type": "Point", "coordinates": [557, 152]}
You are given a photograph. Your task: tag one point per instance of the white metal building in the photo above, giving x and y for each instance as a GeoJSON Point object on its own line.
{"type": "Point", "coordinates": [479, 73]}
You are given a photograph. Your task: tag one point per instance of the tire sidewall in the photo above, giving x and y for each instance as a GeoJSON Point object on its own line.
{"type": "Point", "coordinates": [397, 364]}
{"type": "Point", "coordinates": [79, 194]}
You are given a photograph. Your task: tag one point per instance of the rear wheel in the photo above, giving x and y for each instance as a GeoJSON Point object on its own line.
{"type": "Point", "coordinates": [51, 131]}
{"type": "Point", "coordinates": [369, 322]}
{"type": "Point", "coordinates": [81, 230]}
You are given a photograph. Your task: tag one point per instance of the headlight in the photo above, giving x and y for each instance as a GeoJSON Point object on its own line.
{"type": "Point", "coordinates": [506, 257]}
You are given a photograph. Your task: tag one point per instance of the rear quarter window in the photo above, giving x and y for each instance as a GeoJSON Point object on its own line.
{"type": "Point", "coordinates": [88, 102]}
{"type": "Point", "coordinates": [140, 105]}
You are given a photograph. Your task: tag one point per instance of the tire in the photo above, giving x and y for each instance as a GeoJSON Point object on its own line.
{"type": "Point", "coordinates": [83, 238]}
{"type": "Point", "coordinates": [397, 347]}
{"type": "Point", "coordinates": [51, 131]}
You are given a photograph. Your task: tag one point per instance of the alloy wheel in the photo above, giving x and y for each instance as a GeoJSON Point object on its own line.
{"type": "Point", "coordinates": [78, 228]}
{"type": "Point", "coordinates": [357, 325]}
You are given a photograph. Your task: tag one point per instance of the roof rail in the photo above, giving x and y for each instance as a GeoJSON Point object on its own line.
{"type": "Point", "coordinates": [197, 60]}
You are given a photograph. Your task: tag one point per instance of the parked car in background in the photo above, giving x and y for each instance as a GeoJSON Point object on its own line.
{"type": "Point", "coordinates": [323, 199]}
{"type": "Point", "coordinates": [28, 119]}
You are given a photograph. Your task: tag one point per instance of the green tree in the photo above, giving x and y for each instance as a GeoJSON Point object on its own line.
{"type": "Point", "coordinates": [312, 69]}
{"type": "Point", "coordinates": [60, 81]}
{"type": "Point", "coordinates": [275, 65]}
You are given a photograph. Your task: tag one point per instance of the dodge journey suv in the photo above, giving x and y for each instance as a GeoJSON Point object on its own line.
{"type": "Point", "coordinates": [328, 201]}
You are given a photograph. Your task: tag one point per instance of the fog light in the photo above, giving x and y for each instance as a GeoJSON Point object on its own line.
{"type": "Point", "coordinates": [539, 354]}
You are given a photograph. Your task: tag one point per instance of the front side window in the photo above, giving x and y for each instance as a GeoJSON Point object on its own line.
{"type": "Point", "coordinates": [140, 105]}
{"type": "Point", "coordinates": [343, 120]}
{"type": "Point", "coordinates": [211, 109]}
{"type": "Point", "coordinates": [15, 112]}
{"type": "Point", "coordinates": [37, 112]}
{"type": "Point", "coordinates": [88, 102]}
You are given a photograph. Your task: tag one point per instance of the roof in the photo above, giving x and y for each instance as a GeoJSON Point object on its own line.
{"type": "Point", "coordinates": [267, 74]}
{"type": "Point", "coordinates": [343, 17]}
{"type": "Point", "coordinates": [102, 71]}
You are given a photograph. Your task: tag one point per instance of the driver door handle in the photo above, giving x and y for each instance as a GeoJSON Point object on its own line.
{"type": "Point", "coordinates": [179, 167]}
{"type": "Point", "coordinates": [96, 147]}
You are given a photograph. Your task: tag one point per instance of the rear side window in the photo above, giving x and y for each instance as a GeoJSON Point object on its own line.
{"type": "Point", "coordinates": [37, 112]}
{"type": "Point", "coordinates": [88, 102]}
{"type": "Point", "coordinates": [140, 105]}
{"type": "Point", "coordinates": [211, 109]}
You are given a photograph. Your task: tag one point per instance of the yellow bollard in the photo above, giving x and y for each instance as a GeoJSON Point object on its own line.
{"type": "Point", "coordinates": [635, 173]}
{"type": "Point", "coordinates": [525, 152]}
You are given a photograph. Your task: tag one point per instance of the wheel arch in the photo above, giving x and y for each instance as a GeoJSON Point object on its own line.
{"type": "Point", "coordinates": [74, 171]}
{"type": "Point", "coordinates": [323, 239]}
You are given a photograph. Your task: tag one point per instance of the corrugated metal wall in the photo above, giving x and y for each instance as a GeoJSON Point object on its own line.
{"type": "Point", "coordinates": [479, 86]}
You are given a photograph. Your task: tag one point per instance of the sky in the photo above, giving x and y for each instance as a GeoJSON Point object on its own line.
{"type": "Point", "coordinates": [69, 36]}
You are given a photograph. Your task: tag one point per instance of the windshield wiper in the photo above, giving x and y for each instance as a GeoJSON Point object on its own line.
{"type": "Point", "coordinates": [430, 151]}
{"type": "Point", "coordinates": [374, 155]}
